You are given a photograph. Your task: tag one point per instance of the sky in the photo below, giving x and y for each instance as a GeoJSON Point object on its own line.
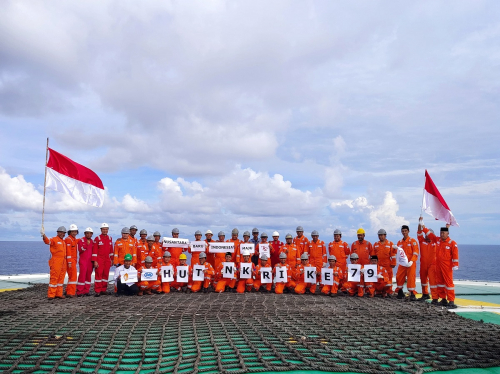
{"type": "Point", "coordinates": [222, 114]}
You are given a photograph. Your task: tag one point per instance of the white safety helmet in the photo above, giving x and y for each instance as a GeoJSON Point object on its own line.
{"type": "Point", "coordinates": [73, 227]}
{"type": "Point", "coordinates": [276, 233]}
{"type": "Point", "coordinates": [89, 229]}
{"type": "Point", "coordinates": [104, 225]}
{"type": "Point", "coordinates": [209, 232]}
{"type": "Point", "coordinates": [245, 253]}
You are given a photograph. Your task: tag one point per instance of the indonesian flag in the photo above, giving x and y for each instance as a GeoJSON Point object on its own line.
{"type": "Point", "coordinates": [434, 204]}
{"type": "Point", "coordinates": [67, 176]}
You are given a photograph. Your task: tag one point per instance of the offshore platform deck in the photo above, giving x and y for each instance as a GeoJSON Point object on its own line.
{"type": "Point", "coordinates": [244, 333]}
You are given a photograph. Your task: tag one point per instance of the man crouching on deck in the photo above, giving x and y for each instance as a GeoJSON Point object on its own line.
{"type": "Point", "coordinates": [128, 288]}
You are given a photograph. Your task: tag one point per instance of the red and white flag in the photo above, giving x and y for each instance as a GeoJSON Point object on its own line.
{"type": "Point", "coordinates": [81, 183]}
{"type": "Point", "coordinates": [434, 204]}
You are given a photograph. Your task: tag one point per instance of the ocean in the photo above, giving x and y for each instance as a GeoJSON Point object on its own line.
{"type": "Point", "coordinates": [477, 262]}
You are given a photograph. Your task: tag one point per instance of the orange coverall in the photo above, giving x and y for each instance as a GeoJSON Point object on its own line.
{"type": "Point", "coordinates": [382, 285]}
{"type": "Point", "coordinates": [71, 257]}
{"type": "Point", "coordinates": [386, 258]}
{"type": "Point", "coordinates": [292, 255]}
{"type": "Point", "coordinates": [195, 256]}
{"type": "Point", "coordinates": [341, 251]}
{"type": "Point", "coordinates": [245, 283]}
{"type": "Point", "coordinates": [364, 250]}
{"type": "Point", "coordinates": [356, 287]}
{"type": "Point", "coordinates": [223, 282]}
{"type": "Point", "coordinates": [220, 257]}
{"type": "Point", "coordinates": [257, 282]}
{"type": "Point", "coordinates": [123, 247]}
{"type": "Point", "coordinates": [290, 284]}
{"type": "Point", "coordinates": [165, 286]}
{"type": "Point", "coordinates": [410, 246]}
{"type": "Point", "coordinates": [57, 264]}
{"type": "Point", "coordinates": [175, 252]}
{"type": "Point", "coordinates": [196, 285]}
{"type": "Point", "coordinates": [428, 265]}
{"type": "Point", "coordinates": [301, 243]}
{"type": "Point", "coordinates": [148, 285]}
{"type": "Point", "coordinates": [210, 256]}
{"type": "Point", "coordinates": [301, 286]}
{"type": "Point", "coordinates": [317, 254]}
{"type": "Point", "coordinates": [338, 275]}
{"type": "Point", "coordinates": [446, 259]}
{"type": "Point", "coordinates": [143, 252]}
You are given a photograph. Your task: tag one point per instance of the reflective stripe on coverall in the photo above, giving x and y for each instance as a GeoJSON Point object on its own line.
{"type": "Point", "coordinates": [380, 286]}
{"type": "Point", "coordinates": [301, 286]}
{"type": "Point", "coordinates": [196, 285]}
{"type": "Point", "coordinates": [386, 258]}
{"type": "Point", "coordinates": [123, 247]}
{"type": "Point", "coordinates": [275, 249]}
{"type": "Point", "coordinates": [71, 258]}
{"type": "Point", "coordinates": [245, 283]}
{"type": "Point", "coordinates": [165, 286]}
{"type": "Point", "coordinates": [317, 254]}
{"type": "Point", "coordinates": [57, 264]}
{"type": "Point", "coordinates": [290, 284]}
{"type": "Point", "coordinates": [292, 255]}
{"type": "Point", "coordinates": [148, 285]}
{"type": "Point", "coordinates": [257, 282]}
{"type": "Point", "coordinates": [223, 282]}
{"type": "Point", "coordinates": [301, 243]}
{"type": "Point", "coordinates": [341, 252]}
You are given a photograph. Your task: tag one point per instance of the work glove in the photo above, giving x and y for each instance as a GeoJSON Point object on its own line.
{"type": "Point", "coordinates": [380, 276]}
{"type": "Point", "coordinates": [410, 263]}
{"type": "Point", "coordinates": [42, 232]}
{"type": "Point", "coordinates": [395, 247]}
{"type": "Point", "coordinates": [362, 271]}
{"type": "Point", "coordinates": [454, 268]}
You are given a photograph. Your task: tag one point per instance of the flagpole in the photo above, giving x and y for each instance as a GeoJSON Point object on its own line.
{"type": "Point", "coordinates": [45, 181]}
{"type": "Point", "coordinates": [423, 194]}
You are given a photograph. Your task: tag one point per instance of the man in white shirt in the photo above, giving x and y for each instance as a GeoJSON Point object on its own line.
{"type": "Point", "coordinates": [128, 288]}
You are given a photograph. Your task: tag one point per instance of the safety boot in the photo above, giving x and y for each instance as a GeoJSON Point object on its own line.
{"type": "Point", "coordinates": [413, 297]}
{"type": "Point", "coordinates": [434, 302]}
{"type": "Point", "coordinates": [205, 290]}
{"type": "Point", "coordinates": [60, 297]}
{"type": "Point", "coordinates": [140, 293]}
{"type": "Point", "coordinates": [451, 305]}
{"type": "Point", "coordinates": [148, 292]}
{"type": "Point", "coordinates": [401, 294]}
{"type": "Point", "coordinates": [443, 302]}
{"type": "Point", "coordinates": [425, 296]}
{"type": "Point", "coordinates": [97, 294]}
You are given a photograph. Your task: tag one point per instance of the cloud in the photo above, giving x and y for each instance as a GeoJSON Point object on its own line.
{"type": "Point", "coordinates": [17, 194]}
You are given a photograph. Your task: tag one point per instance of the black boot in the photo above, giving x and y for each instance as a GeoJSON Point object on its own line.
{"type": "Point", "coordinates": [425, 296]}
{"type": "Point", "coordinates": [413, 297]}
{"type": "Point", "coordinates": [401, 294]}
{"type": "Point", "coordinates": [451, 305]}
{"type": "Point", "coordinates": [443, 302]}
{"type": "Point", "coordinates": [434, 302]}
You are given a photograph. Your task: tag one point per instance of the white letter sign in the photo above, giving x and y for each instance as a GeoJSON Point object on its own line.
{"type": "Point", "coordinates": [370, 274]}
{"type": "Point", "coordinates": [327, 276]}
{"type": "Point", "coordinates": [250, 247]}
{"type": "Point", "coordinates": [198, 274]}
{"type": "Point", "coordinates": [182, 274]}
{"type": "Point", "coordinates": [354, 273]}
{"type": "Point", "coordinates": [266, 275]}
{"type": "Point", "coordinates": [128, 276]}
{"type": "Point", "coordinates": [228, 270]}
{"type": "Point", "coordinates": [310, 274]}
{"type": "Point", "coordinates": [175, 242]}
{"type": "Point", "coordinates": [198, 246]}
{"type": "Point", "coordinates": [216, 247]}
{"type": "Point", "coordinates": [245, 270]}
{"type": "Point", "coordinates": [281, 274]}
{"type": "Point", "coordinates": [264, 250]}
{"type": "Point", "coordinates": [149, 274]}
{"type": "Point", "coordinates": [167, 273]}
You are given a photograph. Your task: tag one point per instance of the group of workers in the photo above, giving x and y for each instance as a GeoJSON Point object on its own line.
{"type": "Point", "coordinates": [438, 260]}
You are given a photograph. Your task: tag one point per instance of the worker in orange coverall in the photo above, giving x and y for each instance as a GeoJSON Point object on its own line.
{"type": "Point", "coordinates": [446, 263]}
{"type": "Point", "coordinates": [362, 247]}
{"type": "Point", "coordinates": [165, 286]}
{"type": "Point", "coordinates": [290, 284]}
{"type": "Point", "coordinates": [183, 286]}
{"type": "Point", "coordinates": [208, 273]}
{"type": "Point", "coordinates": [427, 263]}
{"type": "Point", "coordinates": [245, 283]}
{"type": "Point", "coordinates": [84, 247]}
{"type": "Point", "coordinates": [210, 256]}
{"type": "Point", "coordinates": [265, 262]}
{"type": "Point", "coordinates": [147, 287]}
{"type": "Point", "coordinates": [158, 244]}
{"type": "Point", "coordinates": [356, 288]}
{"type": "Point", "coordinates": [234, 239]}
{"type": "Point", "coordinates": [300, 241]}
{"type": "Point", "coordinates": [225, 284]}
{"type": "Point", "coordinates": [275, 248]}
{"type": "Point", "coordinates": [317, 252]}
{"type": "Point", "coordinates": [220, 257]}
{"type": "Point", "coordinates": [338, 274]}
{"type": "Point", "coordinates": [102, 254]}
{"type": "Point", "coordinates": [302, 286]}
{"type": "Point", "coordinates": [175, 251]}
{"type": "Point", "coordinates": [71, 259]}
{"type": "Point", "coordinates": [382, 285]}
{"type": "Point", "coordinates": [407, 273]}
{"type": "Point", "coordinates": [292, 253]}
{"type": "Point", "coordinates": [195, 256]}
{"type": "Point", "coordinates": [384, 250]}
{"type": "Point", "coordinates": [123, 246]}
{"type": "Point", "coordinates": [57, 263]}
{"type": "Point", "coordinates": [148, 250]}
{"type": "Point", "coordinates": [341, 251]}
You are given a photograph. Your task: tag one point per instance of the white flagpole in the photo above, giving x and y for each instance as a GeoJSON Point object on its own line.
{"type": "Point", "coordinates": [45, 181]}
{"type": "Point", "coordinates": [423, 194]}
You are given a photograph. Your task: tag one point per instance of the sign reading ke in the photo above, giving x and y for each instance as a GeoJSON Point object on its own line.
{"type": "Point", "coordinates": [175, 242]}
{"type": "Point", "coordinates": [216, 247]}
{"type": "Point", "coordinates": [198, 246]}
